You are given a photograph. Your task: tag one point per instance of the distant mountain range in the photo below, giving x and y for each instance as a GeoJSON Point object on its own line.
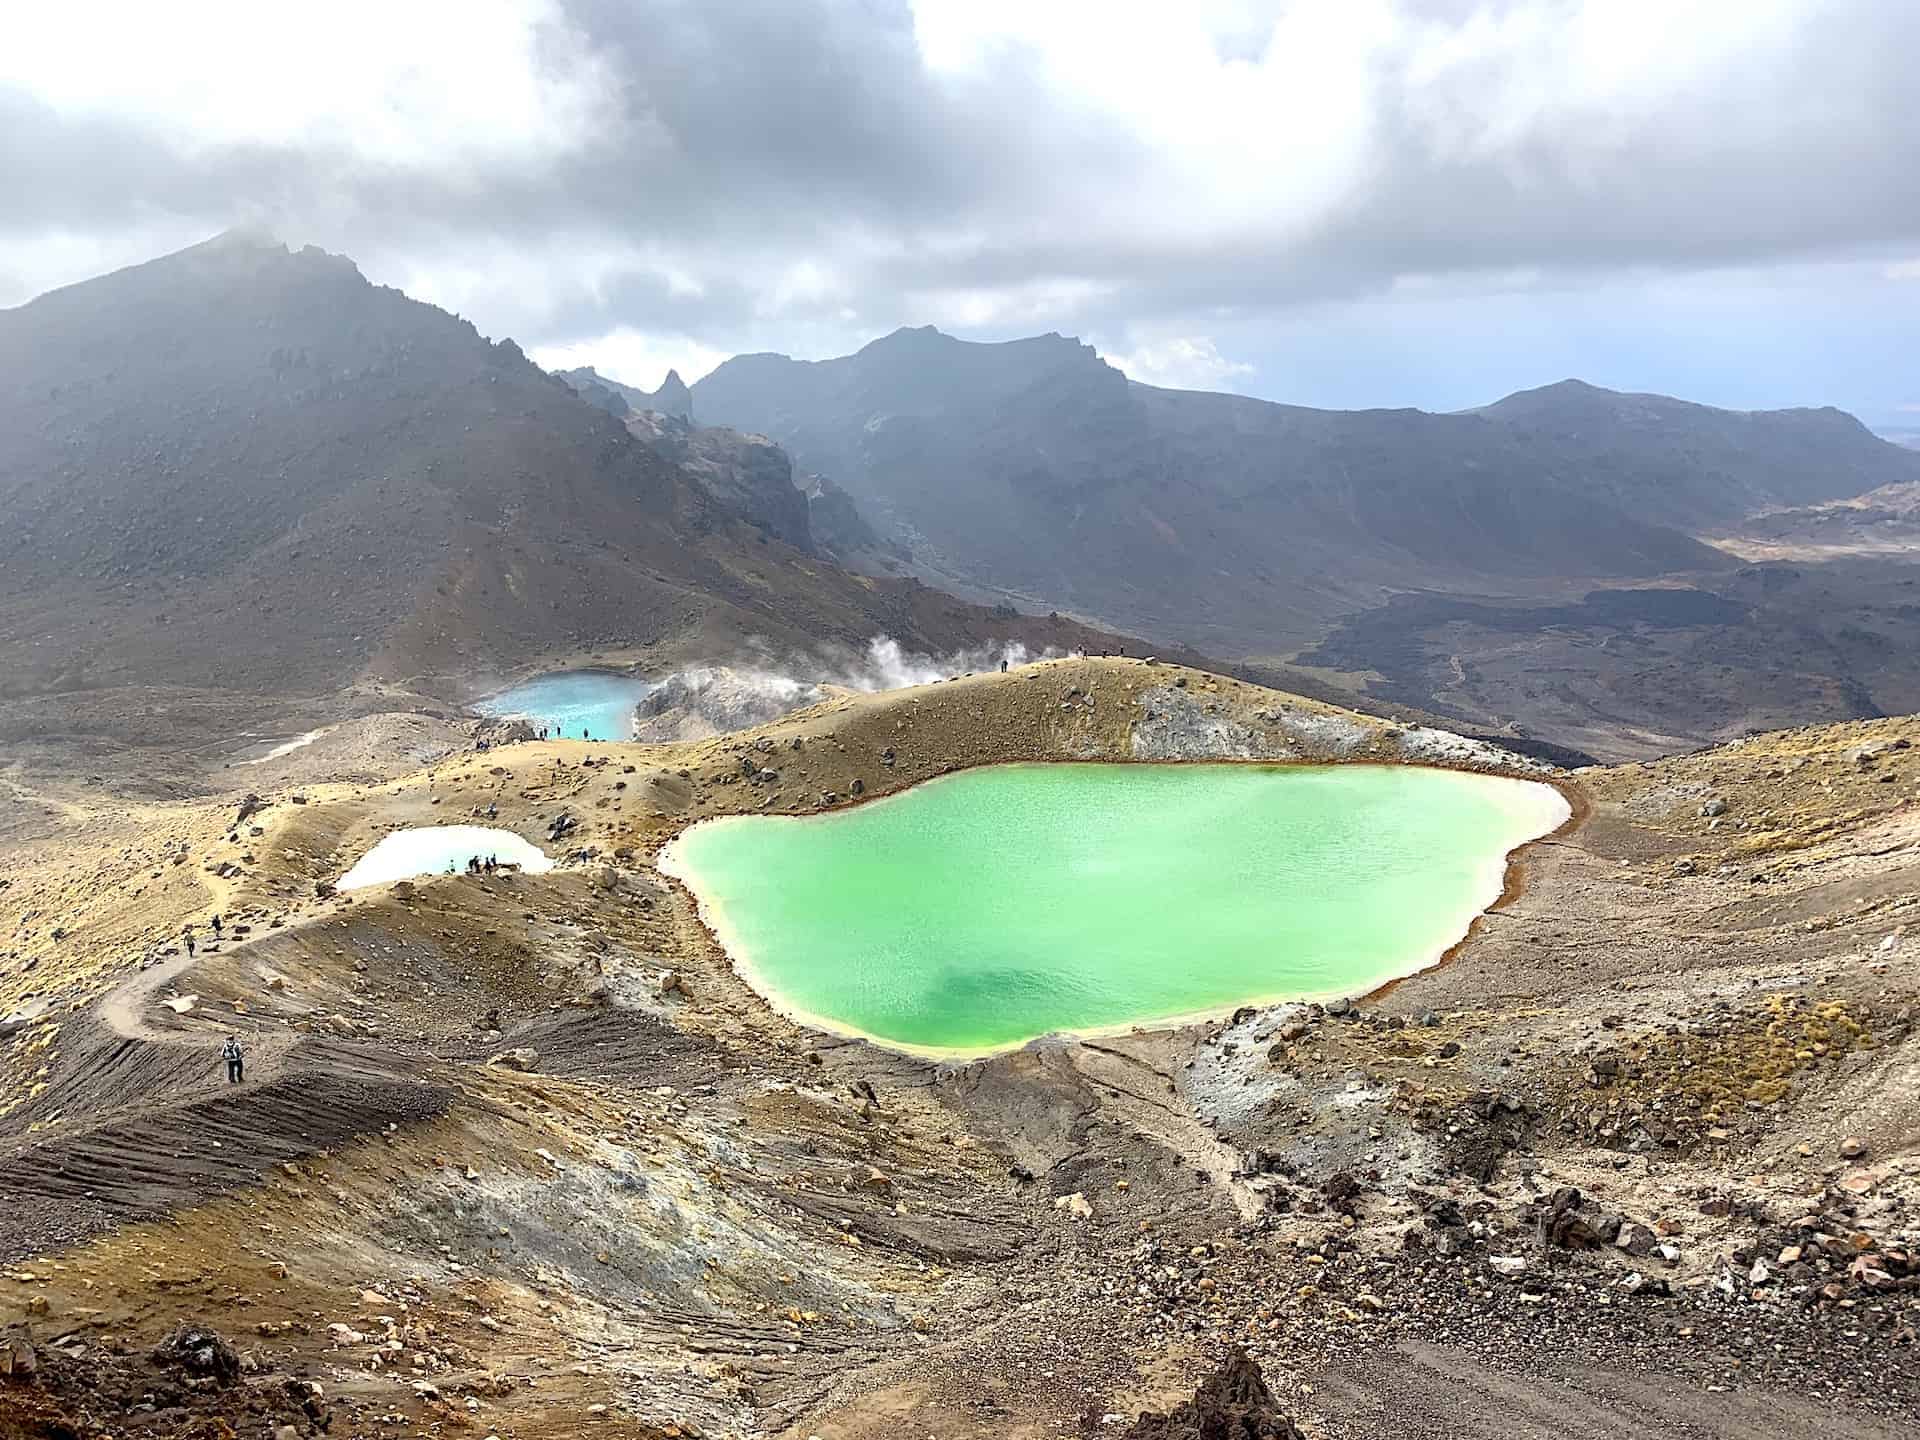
{"type": "Point", "coordinates": [1034, 470]}
{"type": "Point", "coordinates": [244, 469]}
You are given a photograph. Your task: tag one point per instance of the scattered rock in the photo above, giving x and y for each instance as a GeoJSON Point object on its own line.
{"type": "Point", "coordinates": [1076, 1205]}
{"type": "Point", "coordinates": [199, 1351]}
{"type": "Point", "coordinates": [524, 1058]}
{"type": "Point", "coordinates": [1233, 1403]}
{"type": "Point", "coordinates": [1635, 1239]}
{"type": "Point", "coordinates": [17, 1358]}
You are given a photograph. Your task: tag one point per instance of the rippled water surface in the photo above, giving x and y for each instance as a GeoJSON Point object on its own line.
{"type": "Point", "coordinates": [981, 910]}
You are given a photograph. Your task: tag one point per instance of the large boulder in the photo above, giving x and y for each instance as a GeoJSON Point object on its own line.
{"type": "Point", "coordinates": [1233, 1403]}
{"type": "Point", "coordinates": [199, 1351]}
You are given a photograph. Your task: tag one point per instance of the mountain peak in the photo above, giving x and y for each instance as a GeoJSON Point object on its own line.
{"type": "Point", "coordinates": [672, 398]}
{"type": "Point", "coordinates": [248, 235]}
{"type": "Point", "coordinates": [909, 339]}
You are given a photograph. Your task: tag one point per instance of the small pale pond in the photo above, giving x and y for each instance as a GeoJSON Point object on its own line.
{"type": "Point", "coordinates": [981, 910]}
{"type": "Point", "coordinates": [436, 849]}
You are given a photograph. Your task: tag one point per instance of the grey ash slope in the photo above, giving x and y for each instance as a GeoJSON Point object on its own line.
{"type": "Point", "coordinates": [1034, 469]}
{"type": "Point", "coordinates": [250, 471]}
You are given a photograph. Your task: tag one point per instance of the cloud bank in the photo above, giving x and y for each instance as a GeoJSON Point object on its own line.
{"type": "Point", "coordinates": [673, 181]}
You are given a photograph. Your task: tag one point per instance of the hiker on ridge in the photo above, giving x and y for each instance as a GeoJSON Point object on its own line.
{"type": "Point", "coordinates": [236, 1059]}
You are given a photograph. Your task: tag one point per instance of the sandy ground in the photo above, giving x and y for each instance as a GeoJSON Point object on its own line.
{"type": "Point", "coordinates": [1695, 1010]}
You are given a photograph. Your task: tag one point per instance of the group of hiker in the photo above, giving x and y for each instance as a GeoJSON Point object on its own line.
{"type": "Point", "coordinates": [186, 934]}
{"type": "Point", "coordinates": [543, 732]}
{"type": "Point", "coordinates": [482, 865]}
{"type": "Point", "coordinates": [232, 1052]}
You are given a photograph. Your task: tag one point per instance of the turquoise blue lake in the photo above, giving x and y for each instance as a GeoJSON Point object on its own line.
{"type": "Point", "coordinates": [596, 704]}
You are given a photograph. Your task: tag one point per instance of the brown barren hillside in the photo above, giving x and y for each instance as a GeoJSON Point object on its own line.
{"type": "Point", "coordinates": [523, 1155]}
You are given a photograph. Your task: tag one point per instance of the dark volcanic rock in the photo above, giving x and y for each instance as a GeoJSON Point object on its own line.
{"type": "Point", "coordinates": [838, 526]}
{"type": "Point", "coordinates": [199, 1351]}
{"type": "Point", "coordinates": [715, 700]}
{"type": "Point", "coordinates": [748, 473]}
{"type": "Point", "coordinates": [672, 398]}
{"type": "Point", "coordinates": [1233, 1403]}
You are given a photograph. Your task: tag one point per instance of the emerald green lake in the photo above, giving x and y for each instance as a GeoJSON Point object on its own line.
{"type": "Point", "coordinates": [978, 911]}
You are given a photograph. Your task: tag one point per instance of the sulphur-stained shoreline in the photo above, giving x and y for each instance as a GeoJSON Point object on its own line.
{"type": "Point", "coordinates": [1540, 809]}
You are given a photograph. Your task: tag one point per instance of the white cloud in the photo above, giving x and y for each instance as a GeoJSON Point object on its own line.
{"type": "Point", "coordinates": [1181, 362]}
{"type": "Point", "coordinates": [36, 261]}
{"type": "Point", "coordinates": [1028, 305]}
{"type": "Point", "coordinates": [804, 175]}
{"type": "Point", "coordinates": [422, 84]}
{"type": "Point", "coordinates": [633, 357]}
{"type": "Point", "coordinates": [1236, 143]}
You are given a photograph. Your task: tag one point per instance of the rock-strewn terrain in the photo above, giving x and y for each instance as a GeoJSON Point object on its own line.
{"type": "Point", "coordinates": [520, 1155]}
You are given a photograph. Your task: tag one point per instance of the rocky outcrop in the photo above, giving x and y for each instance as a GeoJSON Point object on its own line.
{"type": "Point", "coordinates": [747, 473]}
{"type": "Point", "coordinates": [1233, 1403]}
{"type": "Point", "coordinates": [199, 1351]}
{"type": "Point", "coordinates": [698, 704]}
{"type": "Point", "coordinates": [673, 398]}
{"type": "Point", "coordinates": [840, 530]}
{"type": "Point", "coordinates": [1178, 723]}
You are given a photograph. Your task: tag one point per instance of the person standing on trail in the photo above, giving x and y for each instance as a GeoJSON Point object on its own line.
{"type": "Point", "coordinates": [236, 1059]}
{"type": "Point", "coordinates": [215, 922]}
{"type": "Point", "coordinates": [187, 935]}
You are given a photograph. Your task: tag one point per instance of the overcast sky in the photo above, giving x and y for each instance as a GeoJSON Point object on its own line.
{"type": "Point", "coordinates": [1336, 202]}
